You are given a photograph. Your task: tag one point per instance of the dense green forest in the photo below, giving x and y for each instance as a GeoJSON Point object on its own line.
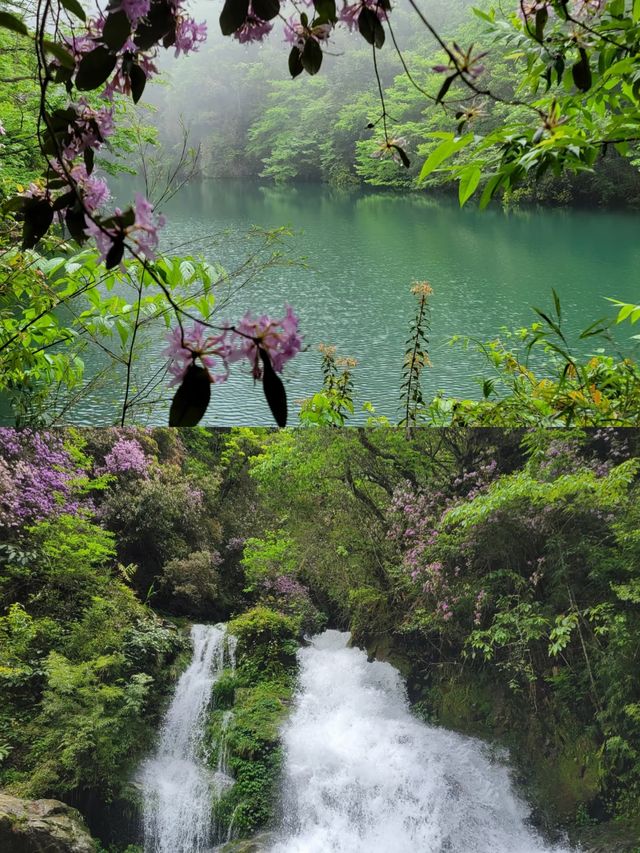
{"type": "Point", "coordinates": [320, 128]}
{"type": "Point", "coordinates": [498, 570]}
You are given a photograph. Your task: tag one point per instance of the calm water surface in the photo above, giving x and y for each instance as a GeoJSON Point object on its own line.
{"type": "Point", "coordinates": [363, 250]}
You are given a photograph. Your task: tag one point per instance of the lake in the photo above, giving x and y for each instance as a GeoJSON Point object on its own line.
{"type": "Point", "coordinates": [363, 250]}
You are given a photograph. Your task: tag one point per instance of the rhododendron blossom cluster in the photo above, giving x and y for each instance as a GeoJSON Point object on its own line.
{"type": "Point", "coordinates": [279, 339]}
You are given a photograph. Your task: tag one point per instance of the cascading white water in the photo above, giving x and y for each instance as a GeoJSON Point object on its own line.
{"type": "Point", "coordinates": [362, 775]}
{"type": "Point", "coordinates": [178, 789]}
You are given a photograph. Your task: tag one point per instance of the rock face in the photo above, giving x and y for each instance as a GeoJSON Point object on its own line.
{"type": "Point", "coordinates": [42, 826]}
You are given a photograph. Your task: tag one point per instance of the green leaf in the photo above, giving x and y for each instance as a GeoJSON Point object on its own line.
{"type": "Point", "coordinates": [192, 398]}
{"type": "Point", "coordinates": [542, 16]}
{"type": "Point", "coordinates": [487, 194]}
{"type": "Point", "coordinates": [581, 72]}
{"type": "Point", "coordinates": [274, 391]}
{"type": "Point", "coordinates": [295, 62]}
{"type": "Point", "coordinates": [311, 57]}
{"type": "Point", "coordinates": [325, 10]}
{"type": "Point", "coordinates": [58, 52]}
{"type": "Point", "coordinates": [469, 183]}
{"type": "Point", "coordinates": [75, 222]}
{"type": "Point", "coordinates": [75, 8]}
{"type": "Point", "coordinates": [233, 16]}
{"type": "Point", "coordinates": [13, 23]}
{"type": "Point", "coordinates": [138, 81]}
{"type": "Point", "coordinates": [115, 253]}
{"type": "Point", "coordinates": [370, 27]}
{"type": "Point", "coordinates": [403, 156]}
{"type": "Point", "coordinates": [442, 152]}
{"type": "Point", "coordinates": [95, 69]}
{"type": "Point", "coordinates": [38, 216]}
{"type": "Point", "coordinates": [117, 29]}
{"type": "Point", "coordinates": [445, 88]}
{"type": "Point", "coordinates": [266, 9]}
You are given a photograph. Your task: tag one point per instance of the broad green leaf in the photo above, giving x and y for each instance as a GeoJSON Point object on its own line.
{"type": "Point", "coordinates": [443, 151]}
{"type": "Point", "coordinates": [469, 183]}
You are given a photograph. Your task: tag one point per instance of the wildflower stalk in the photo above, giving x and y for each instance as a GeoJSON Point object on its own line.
{"type": "Point", "coordinates": [416, 358]}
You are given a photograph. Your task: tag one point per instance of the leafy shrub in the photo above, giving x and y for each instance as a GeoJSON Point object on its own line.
{"type": "Point", "coordinates": [267, 643]}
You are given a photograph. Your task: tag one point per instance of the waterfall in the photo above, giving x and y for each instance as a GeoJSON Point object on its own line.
{"type": "Point", "coordinates": [178, 789]}
{"type": "Point", "coordinates": [362, 775]}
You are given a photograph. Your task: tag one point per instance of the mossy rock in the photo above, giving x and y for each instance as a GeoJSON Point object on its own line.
{"type": "Point", "coordinates": [258, 844]}
{"type": "Point", "coordinates": [42, 826]}
{"type": "Point", "coordinates": [255, 757]}
{"type": "Point", "coordinates": [267, 644]}
{"type": "Point", "coordinates": [381, 647]}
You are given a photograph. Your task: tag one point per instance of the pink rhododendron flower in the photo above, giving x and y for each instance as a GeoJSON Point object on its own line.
{"type": "Point", "coordinates": [350, 12]}
{"type": "Point", "coordinates": [297, 34]}
{"type": "Point", "coordinates": [89, 130]}
{"type": "Point", "coordinates": [278, 338]}
{"type": "Point", "coordinates": [185, 347]}
{"type": "Point", "coordinates": [189, 35]}
{"type": "Point", "coordinates": [94, 190]}
{"type": "Point", "coordinates": [253, 29]}
{"type": "Point", "coordinates": [146, 226]}
{"type": "Point", "coordinates": [120, 81]}
{"type": "Point", "coordinates": [104, 237]}
{"type": "Point", "coordinates": [143, 232]}
{"type": "Point", "coordinates": [126, 456]}
{"type": "Point", "coordinates": [135, 9]}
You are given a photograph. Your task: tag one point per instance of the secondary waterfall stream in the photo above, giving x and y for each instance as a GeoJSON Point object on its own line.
{"type": "Point", "coordinates": [362, 775]}
{"type": "Point", "coordinates": [177, 787]}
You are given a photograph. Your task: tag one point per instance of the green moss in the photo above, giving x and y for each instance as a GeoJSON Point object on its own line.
{"type": "Point", "coordinates": [255, 760]}
{"type": "Point", "coordinates": [259, 694]}
{"type": "Point", "coordinates": [224, 689]}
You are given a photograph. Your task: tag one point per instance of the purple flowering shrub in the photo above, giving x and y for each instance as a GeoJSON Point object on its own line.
{"type": "Point", "coordinates": [40, 476]}
{"type": "Point", "coordinates": [271, 567]}
{"type": "Point", "coordinates": [126, 457]}
{"type": "Point", "coordinates": [289, 596]}
{"type": "Point", "coordinates": [166, 517]}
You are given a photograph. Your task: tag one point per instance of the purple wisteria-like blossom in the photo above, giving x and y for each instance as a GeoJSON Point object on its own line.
{"type": "Point", "coordinates": [189, 35]}
{"type": "Point", "coordinates": [135, 9]}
